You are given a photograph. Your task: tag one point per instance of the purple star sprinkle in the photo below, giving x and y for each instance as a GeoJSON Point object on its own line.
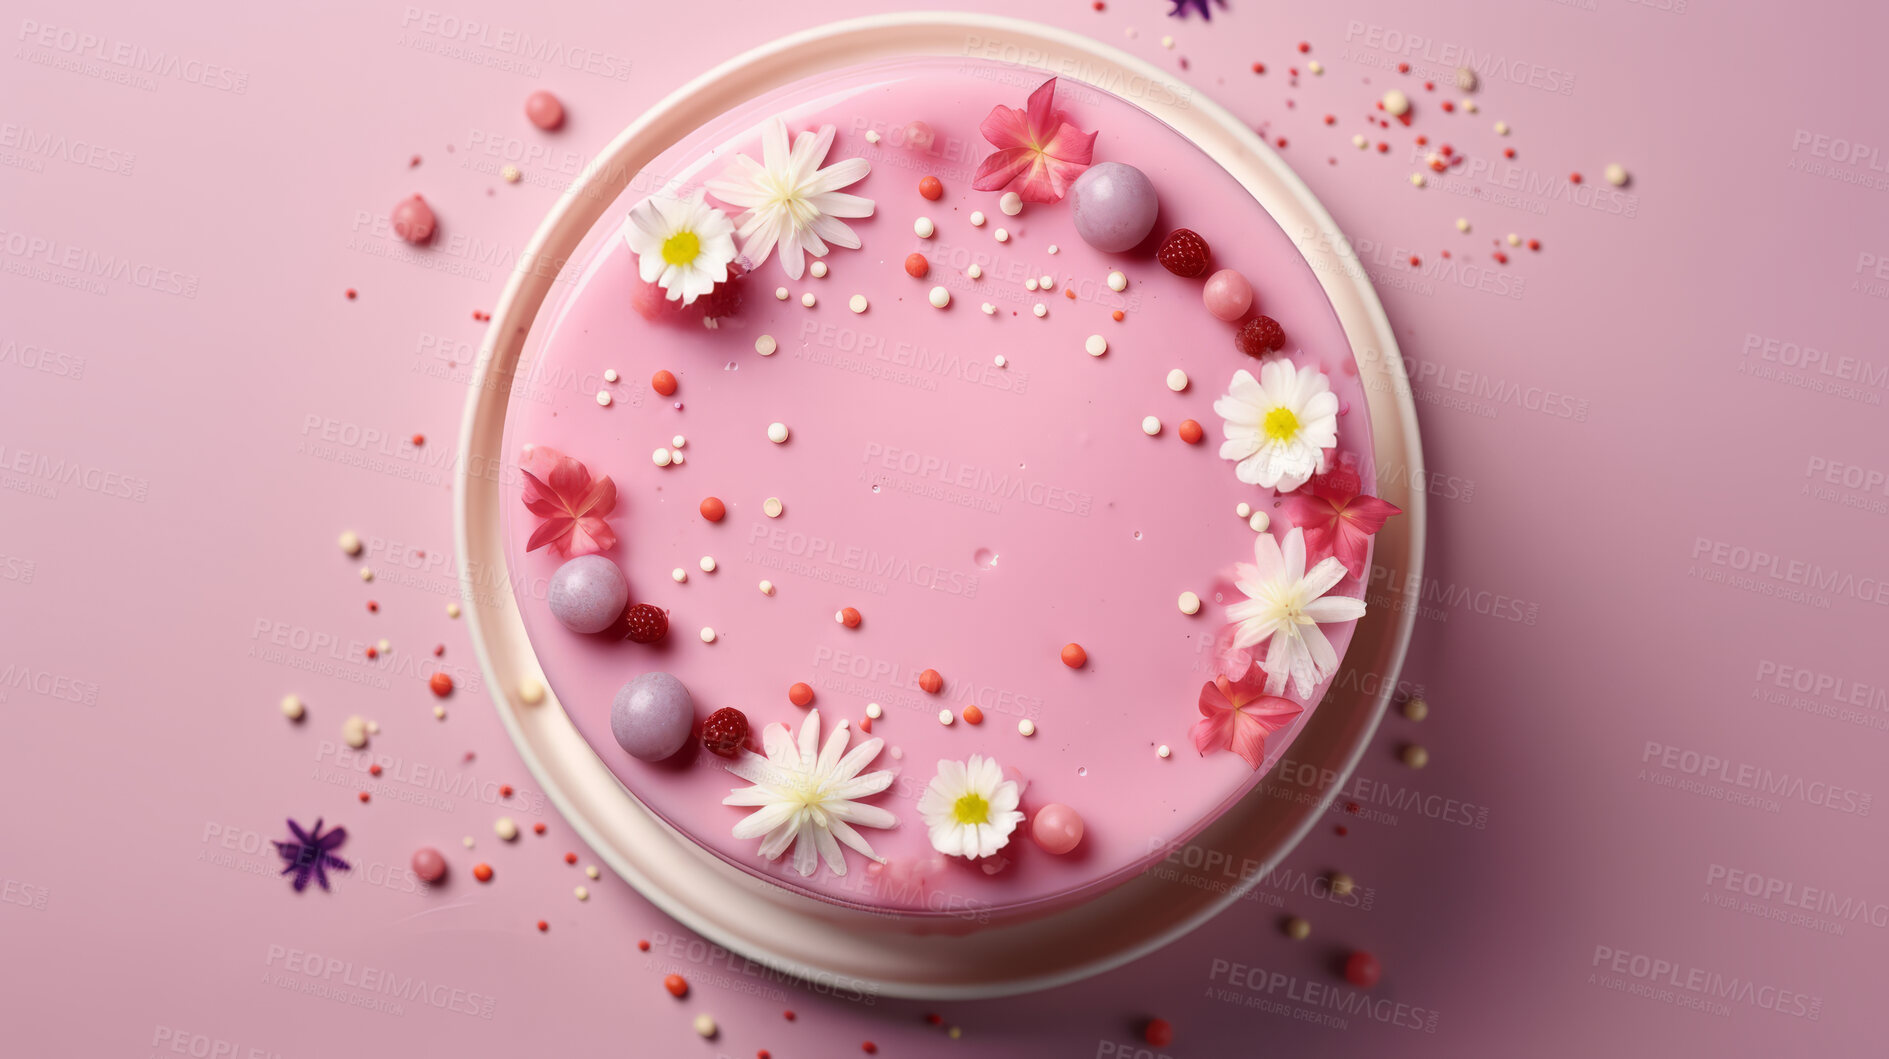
{"type": "Point", "coordinates": [312, 854]}
{"type": "Point", "coordinates": [1180, 8]}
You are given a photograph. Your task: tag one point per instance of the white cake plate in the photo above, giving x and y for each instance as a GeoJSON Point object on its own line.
{"type": "Point", "coordinates": [848, 951]}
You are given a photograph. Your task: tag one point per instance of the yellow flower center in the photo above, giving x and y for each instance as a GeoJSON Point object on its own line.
{"type": "Point", "coordinates": [1281, 424]}
{"type": "Point", "coordinates": [681, 248]}
{"type": "Point", "coordinates": [971, 809]}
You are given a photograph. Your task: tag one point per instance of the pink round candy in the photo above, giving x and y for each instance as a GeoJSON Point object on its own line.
{"type": "Point", "coordinates": [919, 135]}
{"type": "Point", "coordinates": [1228, 295]}
{"type": "Point", "coordinates": [1057, 828]}
{"type": "Point", "coordinates": [544, 109]}
{"type": "Point", "coordinates": [428, 864]}
{"type": "Point", "coordinates": [413, 219]}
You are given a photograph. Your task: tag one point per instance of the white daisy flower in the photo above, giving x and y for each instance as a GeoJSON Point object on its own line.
{"type": "Point", "coordinates": [1286, 605]}
{"type": "Point", "coordinates": [970, 808]}
{"type": "Point", "coordinates": [806, 794]}
{"type": "Point", "coordinates": [1278, 426]}
{"type": "Point", "coordinates": [685, 244]}
{"type": "Point", "coordinates": [790, 201]}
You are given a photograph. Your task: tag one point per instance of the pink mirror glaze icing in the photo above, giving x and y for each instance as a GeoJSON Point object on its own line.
{"type": "Point", "coordinates": [978, 517]}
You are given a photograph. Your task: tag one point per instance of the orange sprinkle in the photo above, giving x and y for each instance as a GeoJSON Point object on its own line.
{"type": "Point", "coordinates": [916, 266]}
{"type": "Point", "coordinates": [676, 984]}
{"type": "Point", "coordinates": [1117, 314]}
{"type": "Point", "coordinates": [931, 681]}
{"type": "Point", "coordinates": [713, 509]}
{"type": "Point", "coordinates": [1191, 432]}
{"type": "Point", "coordinates": [664, 383]}
{"type": "Point", "coordinates": [643, 945]}
{"type": "Point", "coordinates": [441, 684]}
{"type": "Point", "coordinates": [1074, 656]}
{"type": "Point", "coordinates": [570, 858]}
{"type": "Point", "coordinates": [971, 714]}
{"type": "Point", "coordinates": [800, 695]}
{"type": "Point", "coordinates": [932, 188]}
{"type": "Point", "coordinates": [482, 872]}
{"type": "Point", "coordinates": [418, 440]}
{"type": "Point", "coordinates": [865, 725]}
{"type": "Point", "coordinates": [849, 617]}
{"type": "Point", "coordinates": [1070, 293]}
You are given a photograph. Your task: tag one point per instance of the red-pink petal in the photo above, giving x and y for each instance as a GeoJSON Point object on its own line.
{"type": "Point", "coordinates": [1007, 127]}
{"type": "Point", "coordinates": [600, 500]}
{"type": "Point", "coordinates": [588, 537]}
{"type": "Point", "coordinates": [570, 481]}
{"type": "Point", "coordinates": [999, 168]}
{"type": "Point", "coordinates": [1246, 737]}
{"type": "Point", "coordinates": [1210, 732]}
{"type": "Point", "coordinates": [1071, 146]}
{"type": "Point", "coordinates": [1042, 107]}
{"type": "Point", "coordinates": [549, 531]}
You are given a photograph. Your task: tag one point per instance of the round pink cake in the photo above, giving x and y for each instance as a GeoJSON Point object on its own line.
{"type": "Point", "coordinates": [983, 482]}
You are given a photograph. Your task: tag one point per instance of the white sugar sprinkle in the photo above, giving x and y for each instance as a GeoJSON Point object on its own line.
{"type": "Point", "coordinates": [780, 293]}
{"type": "Point", "coordinates": [707, 564]}
{"type": "Point", "coordinates": [765, 345]}
{"type": "Point", "coordinates": [777, 432]}
{"type": "Point", "coordinates": [676, 457]}
{"type": "Point", "coordinates": [1244, 510]}
{"type": "Point", "coordinates": [923, 228]}
{"type": "Point", "coordinates": [1177, 380]}
{"type": "Point", "coordinates": [940, 297]}
{"type": "Point", "coordinates": [1046, 282]}
{"type": "Point", "coordinates": [1026, 727]}
{"type": "Point", "coordinates": [974, 272]}
{"type": "Point", "coordinates": [1189, 603]}
{"type": "Point", "coordinates": [603, 398]}
{"type": "Point", "coordinates": [1052, 248]}
{"type": "Point", "coordinates": [1001, 235]}
{"type": "Point", "coordinates": [1030, 284]}
{"type": "Point", "coordinates": [1163, 750]}
{"type": "Point", "coordinates": [1095, 345]}
{"type": "Point", "coordinates": [817, 269]}
{"type": "Point", "coordinates": [708, 634]}
{"type": "Point", "coordinates": [1011, 204]}
{"type": "Point", "coordinates": [999, 360]}
{"type": "Point", "coordinates": [1259, 521]}
{"type": "Point", "coordinates": [857, 303]}
{"type": "Point", "coordinates": [610, 375]}
{"type": "Point", "coordinates": [871, 136]}
{"type": "Point", "coordinates": [767, 588]}
{"type": "Point", "coordinates": [660, 457]}
{"type": "Point", "coordinates": [977, 218]}
{"type": "Point", "coordinates": [1616, 174]}
{"type": "Point", "coordinates": [1040, 309]}
{"type": "Point", "coordinates": [1151, 425]}
{"type": "Point", "coordinates": [808, 299]}
{"type": "Point", "coordinates": [989, 309]}
{"type": "Point", "coordinates": [678, 441]}
{"type": "Point", "coordinates": [771, 507]}
{"type": "Point", "coordinates": [1117, 281]}
{"type": "Point", "coordinates": [679, 575]}
{"type": "Point", "coordinates": [874, 710]}
{"type": "Point", "coordinates": [945, 717]}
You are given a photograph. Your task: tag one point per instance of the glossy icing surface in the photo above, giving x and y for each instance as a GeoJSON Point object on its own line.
{"type": "Point", "coordinates": [979, 517]}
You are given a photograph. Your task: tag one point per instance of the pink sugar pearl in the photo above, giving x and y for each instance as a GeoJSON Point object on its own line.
{"type": "Point", "coordinates": [545, 110]}
{"type": "Point", "coordinates": [1057, 828]}
{"type": "Point", "coordinates": [413, 219]}
{"type": "Point", "coordinates": [919, 136]}
{"type": "Point", "coordinates": [1228, 295]}
{"type": "Point", "coordinates": [428, 864]}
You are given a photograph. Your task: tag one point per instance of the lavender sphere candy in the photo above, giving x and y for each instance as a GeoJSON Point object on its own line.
{"type": "Point", "coordinates": [1115, 206]}
{"type": "Point", "coordinates": [1228, 295]}
{"type": "Point", "coordinates": [651, 716]}
{"type": "Point", "coordinates": [588, 593]}
{"type": "Point", "coordinates": [1057, 828]}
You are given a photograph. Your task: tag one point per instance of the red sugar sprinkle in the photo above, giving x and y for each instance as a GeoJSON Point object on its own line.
{"type": "Point", "coordinates": [763, 1053]}
{"type": "Point", "coordinates": [373, 607]}
{"type": "Point", "coordinates": [1117, 314]}
{"type": "Point", "coordinates": [505, 790]}
{"type": "Point", "coordinates": [971, 714]}
{"type": "Point", "coordinates": [1352, 807]}
{"type": "Point", "coordinates": [663, 383]}
{"type": "Point", "coordinates": [1329, 120]}
{"type": "Point", "coordinates": [1304, 47]}
{"type": "Point", "coordinates": [1282, 141]}
{"type": "Point", "coordinates": [373, 770]}
{"type": "Point", "coordinates": [441, 684]}
{"type": "Point", "coordinates": [931, 681]}
{"type": "Point", "coordinates": [869, 1048]}
{"type": "Point", "coordinates": [1341, 830]}
{"type": "Point", "coordinates": [1501, 258]}
{"type": "Point", "coordinates": [372, 653]}
{"type": "Point", "coordinates": [1574, 178]}
{"type": "Point", "coordinates": [1430, 86]}
{"type": "Point", "coordinates": [1403, 68]}
{"type": "Point", "coordinates": [414, 162]}
{"type": "Point", "coordinates": [676, 984]}
{"type": "Point", "coordinates": [800, 695]}
{"type": "Point", "coordinates": [438, 650]}
{"type": "Point", "coordinates": [1258, 68]}
{"type": "Point", "coordinates": [865, 725]}
{"type": "Point", "coordinates": [1415, 261]}
{"type": "Point", "coordinates": [1508, 152]}
{"type": "Point", "coordinates": [916, 266]}
{"type": "Point", "coordinates": [935, 1019]}
{"type": "Point", "coordinates": [418, 440]}
{"type": "Point", "coordinates": [1098, 5]}
{"type": "Point", "coordinates": [713, 509]}
{"type": "Point", "coordinates": [482, 872]}
{"type": "Point", "coordinates": [1448, 106]}
{"type": "Point", "coordinates": [1421, 140]}
{"type": "Point", "coordinates": [351, 294]}
{"type": "Point", "coordinates": [788, 1015]}
{"type": "Point", "coordinates": [849, 617]}
{"type": "Point", "coordinates": [932, 188]}
{"type": "Point", "coordinates": [1158, 1032]}
{"type": "Point", "coordinates": [571, 858]}
{"type": "Point", "coordinates": [364, 796]}
{"type": "Point", "coordinates": [1383, 148]}
{"type": "Point", "coordinates": [1534, 244]}
{"type": "Point", "coordinates": [543, 926]}
{"type": "Point", "coordinates": [1191, 432]}
{"type": "Point", "coordinates": [643, 945]}
{"type": "Point", "coordinates": [538, 828]}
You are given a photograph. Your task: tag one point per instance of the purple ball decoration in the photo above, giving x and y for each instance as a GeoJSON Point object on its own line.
{"type": "Point", "coordinates": [651, 716]}
{"type": "Point", "coordinates": [588, 593]}
{"type": "Point", "coordinates": [1115, 206]}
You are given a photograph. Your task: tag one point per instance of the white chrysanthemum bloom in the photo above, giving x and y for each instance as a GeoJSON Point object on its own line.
{"type": "Point", "coordinates": [1279, 425]}
{"type": "Point", "coordinates": [684, 244]}
{"type": "Point", "coordinates": [807, 795]}
{"type": "Point", "coordinates": [1286, 605]}
{"type": "Point", "coordinates": [969, 808]}
{"type": "Point", "coordinates": [790, 201]}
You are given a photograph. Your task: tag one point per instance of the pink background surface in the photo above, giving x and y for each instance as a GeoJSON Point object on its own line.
{"type": "Point", "coordinates": [1633, 538]}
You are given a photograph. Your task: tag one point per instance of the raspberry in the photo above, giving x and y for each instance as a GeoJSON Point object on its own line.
{"type": "Point", "coordinates": [644, 623]}
{"type": "Point", "coordinates": [725, 731]}
{"type": "Point", "coordinates": [725, 299]}
{"type": "Point", "coordinates": [1259, 336]}
{"type": "Point", "coordinates": [1183, 253]}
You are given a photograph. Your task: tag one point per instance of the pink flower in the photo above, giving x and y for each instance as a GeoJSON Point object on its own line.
{"type": "Point", "coordinates": [559, 490]}
{"type": "Point", "coordinates": [1337, 521]}
{"type": "Point", "coordinates": [1236, 716]}
{"type": "Point", "coordinates": [1038, 153]}
{"type": "Point", "coordinates": [1230, 661]}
